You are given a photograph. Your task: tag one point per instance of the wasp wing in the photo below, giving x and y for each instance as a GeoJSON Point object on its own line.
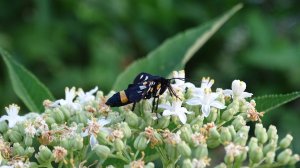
{"type": "Point", "coordinates": [136, 92]}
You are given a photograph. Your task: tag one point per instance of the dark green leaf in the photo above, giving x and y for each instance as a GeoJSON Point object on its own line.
{"type": "Point", "coordinates": [29, 89]}
{"type": "Point", "coordinates": [270, 102]}
{"type": "Point", "coordinates": [174, 53]}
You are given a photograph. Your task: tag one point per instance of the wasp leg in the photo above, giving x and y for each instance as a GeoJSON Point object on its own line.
{"type": "Point", "coordinates": [153, 104]}
{"type": "Point", "coordinates": [156, 107]}
{"type": "Point", "coordinates": [133, 106]}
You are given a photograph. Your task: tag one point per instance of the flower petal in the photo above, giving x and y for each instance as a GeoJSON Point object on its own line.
{"type": "Point", "coordinates": [93, 141]}
{"type": "Point", "coordinates": [217, 104]}
{"type": "Point", "coordinates": [205, 110]}
{"type": "Point", "coordinates": [246, 94]}
{"type": "Point", "coordinates": [182, 117]}
{"type": "Point", "coordinates": [167, 113]}
{"type": "Point", "coordinates": [103, 121]}
{"type": "Point", "coordinates": [165, 106]}
{"type": "Point", "coordinates": [194, 101]}
{"type": "Point", "coordinates": [227, 92]}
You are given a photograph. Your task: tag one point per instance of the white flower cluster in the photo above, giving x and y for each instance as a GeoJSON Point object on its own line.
{"type": "Point", "coordinates": [82, 131]}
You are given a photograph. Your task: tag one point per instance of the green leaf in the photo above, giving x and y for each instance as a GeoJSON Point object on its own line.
{"type": "Point", "coordinates": [270, 102]}
{"type": "Point", "coordinates": [174, 53]}
{"type": "Point", "coordinates": [29, 89]}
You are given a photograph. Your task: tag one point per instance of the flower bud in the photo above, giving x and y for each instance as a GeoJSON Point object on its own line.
{"type": "Point", "coordinates": [186, 132]}
{"type": "Point", "coordinates": [126, 130]}
{"type": "Point", "coordinates": [197, 121]}
{"type": "Point", "coordinates": [238, 122]}
{"type": "Point", "coordinates": [29, 151]}
{"type": "Point", "coordinates": [284, 156]}
{"type": "Point", "coordinates": [102, 137]}
{"type": "Point", "coordinates": [270, 147]}
{"type": "Point", "coordinates": [14, 136]}
{"type": "Point", "coordinates": [58, 116]}
{"type": "Point", "coordinates": [272, 132]}
{"type": "Point", "coordinates": [76, 142]}
{"type": "Point", "coordinates": [227, 114]}
{"type": "Point", "coordinates": [172, 152]}
{"type": "Point", "coordinates": [163, 122]}
{"type": "Point", "coordinates": [28, 140]}
{"type": "Point", "coordinates": [66, 112]}
{"type": "Point", "coordinates": [201, 151]}
{"type": "Point", "coordinates": [261, 133]}
{"type": "Point", "coordinates": [286, 141]}
{"type": "Point", "coordinates": [150, 165]}
{"type": "Point", "coordinates": [3, 126]}
{"type": "Point", "coordinates": [294, 159]}
{"type": "Point", "coordinates": [253, 143]}
{"type": "Point", "coordinates": [242, 136]}
{"type": "Point", "coordinates": [80, 117]}
{"type": "Point", "coordinates": [187, 163]}
{"type": "Point", "coordinates": [66, 143]}
{"type": "Point", "coordinates": [18, 150]}
{"type": "Point", "coordinates": [212, 115]}
{"type": "Point", "coordinates": [228, 159]}
{"type": "Point", "coordinates": [256, 154]}
{"type": "Point", "coordinates": [270, 157]}
{"type": "Point", "coordinates": [140, 143]}
{"type": "Point", "coordinates": [213, 133]}
{"type": "Point", "coordinates": [49, 120]}
{"type": "Point", "coordinates": [119, 145]}
{"type": "Point", "coordinates": [44, 155]}
{"type": "Point", "coordinates": [232, 130]}
{"type": "Point", "coordinates": [225, 135]}
{"type": "Point", "coordinates": [221, 165]}
{"type": "Point", "coordinates": [184, 149]}
{"type": "Point", "coordinates": [132, 119]}
{"type": "Point", "coordinates": [101, 151]}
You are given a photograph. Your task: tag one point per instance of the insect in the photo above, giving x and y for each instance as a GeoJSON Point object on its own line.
{"type": "Point", "coordinates": [144, 86]}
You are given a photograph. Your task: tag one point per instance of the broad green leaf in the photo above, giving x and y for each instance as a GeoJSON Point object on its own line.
{"type": "Point", "coordinates": [174, 53]}
{"type": "Point", "coordinates": [270, 102]}
{"type": "Point", "coordinates": [29, 89]}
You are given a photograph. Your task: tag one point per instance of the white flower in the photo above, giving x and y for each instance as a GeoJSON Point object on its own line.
{"type": "Point", "coordinates": [41, 125]}
{"type": "Point", "coordinates": [207, 100]}
{"type": "Point", "coordinates": [84, 97]}
{"type": "Point", "coordinates": [180, 80]}
{"type": "Point", "coordinates": [206, 84]}
{"type": "Point", "coordinates": [200, 163]}
{"type": "Point", "coordinates": [68, 101]}
{"type": "Point", "coordinates": [238, 90]}
{"type": "Point", "coordinates": [233, 150]}
{"type": "Point", "coordinates": [175, 110]}
{"type": "Point", "coordinates": [12, 117]}
{"type": "Point", "coordinates": [30, 130]}
{"type": "Point", "coordinates": [93, 128]}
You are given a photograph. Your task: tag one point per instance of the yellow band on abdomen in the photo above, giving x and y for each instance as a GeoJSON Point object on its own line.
{"type": "Point", "coordinates": [123, 97]}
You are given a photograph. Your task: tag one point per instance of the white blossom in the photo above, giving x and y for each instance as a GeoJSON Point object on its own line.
{"type": "Point", "coordinates": [206, 84]}
{"type": "Point", "coordinates": [12, 117]}
{"type": "Point", "coordinates": [233, 150]}
{"type": "Point", "coordinates": [84, 97]}
{"type": "Point", "coordinates": [175, 110]}
{"type": "Point", "coordinates": [70, 95]}
{"type": "Point", "coordinates": [30, 130]}
{"type": "Point", "coordinates": [207, 100]}
{"type": "Point", "coordinates": [180, 81]}
{"type": "Point", "coordinates": [93, 128]}
{"type": "Point", "coordinates": [237, 90]}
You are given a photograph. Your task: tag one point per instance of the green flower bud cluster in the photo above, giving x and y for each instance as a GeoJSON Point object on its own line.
{"type": "Point", "coordinates": [85, 131]}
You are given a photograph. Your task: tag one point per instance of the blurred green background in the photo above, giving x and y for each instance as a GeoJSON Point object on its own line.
{"type": "Point", "coordinates": [89, 42]}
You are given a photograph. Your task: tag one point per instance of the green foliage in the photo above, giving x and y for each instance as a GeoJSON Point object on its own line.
{"type": "Point", "coordinates": [25, 84]}
{"type": "Point", "coordinates": [270, 102]}
{"type": "Point", "coordinates": [174, 53]}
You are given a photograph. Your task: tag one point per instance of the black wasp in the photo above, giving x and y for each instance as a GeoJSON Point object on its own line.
{"type": "Point", "coordinates": [145, 86]}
